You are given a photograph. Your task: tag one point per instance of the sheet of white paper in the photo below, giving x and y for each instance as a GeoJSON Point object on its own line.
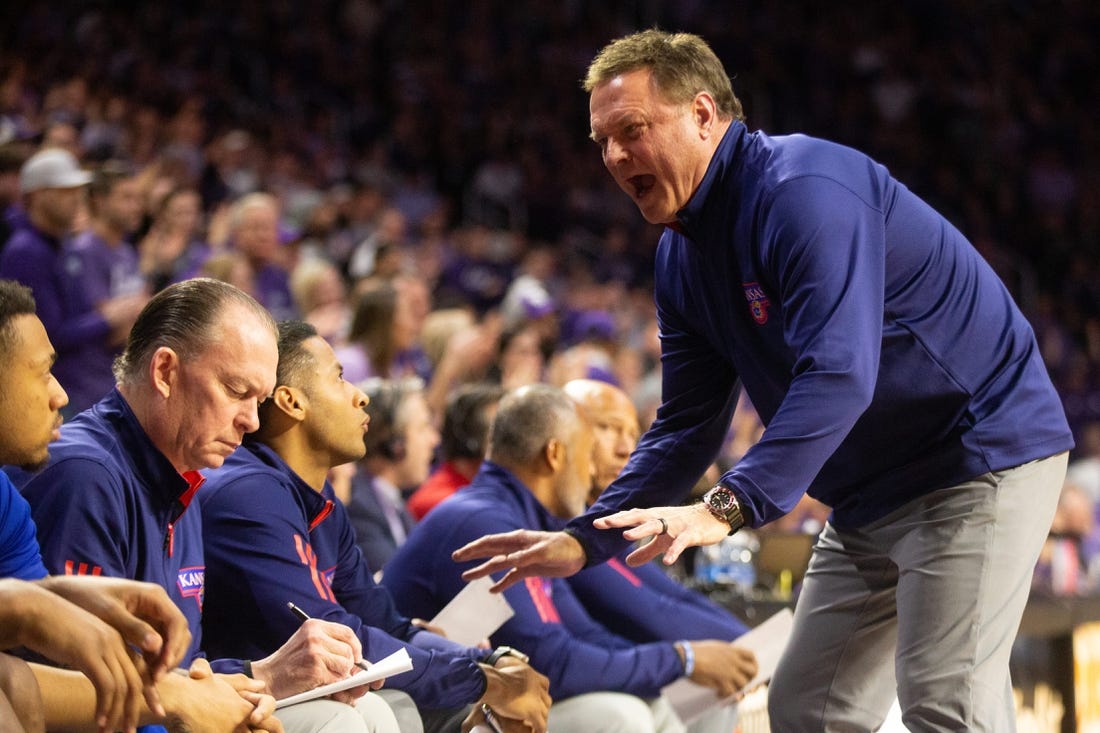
{"type": "Point", "coordinates": [395, 663]}
{"type": "Point", "coordinates": [474, 614]}
{"type": "Point", "coordinates": [766, 641]}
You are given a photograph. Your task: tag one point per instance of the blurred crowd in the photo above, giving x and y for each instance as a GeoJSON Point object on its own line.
{"type": "Point", "coordinates": [415, 178]}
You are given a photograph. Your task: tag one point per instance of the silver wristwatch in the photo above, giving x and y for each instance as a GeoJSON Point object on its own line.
{"type": "Point", "coordinates": [723, 504]}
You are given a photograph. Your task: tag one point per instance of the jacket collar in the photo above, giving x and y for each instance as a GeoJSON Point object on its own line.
{"type": "Point", "coordinates": [689, 220]}
{"type": "Point", "coordinates": [503, 484]}
{"type": "Point", "coordinates": [152, 467]}
{"type": "Point", "coordinates": [318, 506]}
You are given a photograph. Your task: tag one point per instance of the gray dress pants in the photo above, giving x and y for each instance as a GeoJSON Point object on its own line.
{"type": "Point", "coordinates": [924, 603]}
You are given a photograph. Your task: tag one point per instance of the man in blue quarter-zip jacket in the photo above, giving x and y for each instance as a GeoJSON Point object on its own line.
{"type": "Point", "coordinates": [275, 534]}
{"type": "Point", "coordinates": [537, 474]}
{"type": "Point", "coordinates": [68, 619]}
{"type": "Point", "coordinates": [117, 495]}
{"type": "Point", "coordinates": [898, 382]}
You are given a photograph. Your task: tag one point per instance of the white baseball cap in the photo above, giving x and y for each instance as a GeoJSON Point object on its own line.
{"type": "Point", "coordinates": [52, 168]}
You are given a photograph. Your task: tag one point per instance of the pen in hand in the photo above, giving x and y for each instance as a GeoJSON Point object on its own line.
{"type": "Point", "coordinates": [303, 617]}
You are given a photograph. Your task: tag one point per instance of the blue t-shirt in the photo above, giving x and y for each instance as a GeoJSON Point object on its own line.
{"type": "Point", "coordinates": [19, 554]}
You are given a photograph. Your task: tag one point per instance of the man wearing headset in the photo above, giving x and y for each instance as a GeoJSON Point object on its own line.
{"type": "Point", "coordinates": [400, 446]}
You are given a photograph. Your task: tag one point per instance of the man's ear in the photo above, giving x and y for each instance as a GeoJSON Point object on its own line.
{"type": "Point", "coordinates": [291, 401]}
{"type": "Point", "coordinates": [554, 454]}
{"type": "Point", "coordinates": [704, 110]}
{"type": "Point", "coordinates": [164, 368]}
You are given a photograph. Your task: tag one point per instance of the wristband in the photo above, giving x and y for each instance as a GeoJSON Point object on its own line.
{"type": "Point", "coordinates": [689, 658]}
{"type": "Point", "coordinates": [246, 667]}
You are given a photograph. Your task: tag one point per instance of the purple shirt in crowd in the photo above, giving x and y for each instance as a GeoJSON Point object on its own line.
{"type": "Point", "coordinates": [34, 258]}
{"type": "Point", "coordinates": [91, 271]}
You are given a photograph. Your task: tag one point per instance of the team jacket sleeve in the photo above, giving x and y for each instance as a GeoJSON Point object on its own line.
{"type": "Point", "coordinates": [644, 605]}
{"type": "Point", "coordinates": [261, 531]}
{"type": "Point", "coordinates": [77, 508]}
{"type": "Point", "coordinates": [824, 248]}
{"type": "Point", "coordinates": [699, 392]}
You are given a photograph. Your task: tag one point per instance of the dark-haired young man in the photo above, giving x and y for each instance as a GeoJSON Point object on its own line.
{"type": "Point", "coordinates": [469, 411]}
{"type": "Point", "coordinates": [275, 533]}
{"type": "Point", "coordinates": [101, 276]}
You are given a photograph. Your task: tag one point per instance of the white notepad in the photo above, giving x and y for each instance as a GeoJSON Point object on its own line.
{"type": "Point", "coordinates": [395, 663]}
{"type": "Point", "coordinates": [767, 641]}
{"type": "Point", "coordinates": [474, 614]}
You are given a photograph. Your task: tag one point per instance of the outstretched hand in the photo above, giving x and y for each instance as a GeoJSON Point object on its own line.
{"type": "Point", "coordinates": [523, 553]}
{"type": "Point", "coordinates": [683, 527]}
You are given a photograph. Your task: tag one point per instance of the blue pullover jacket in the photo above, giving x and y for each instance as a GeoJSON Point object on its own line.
{"type": "Point", "coordinates": [883, 354]}
{"type": "Point", "coordinates": [109, 503]}
{"type": "Point", "coordinates": [271, 539]}
{"type": "Point", "coordinates": [550, 625]}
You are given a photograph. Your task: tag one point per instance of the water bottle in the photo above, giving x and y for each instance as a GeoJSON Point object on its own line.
{"type": "Point", "coordinates": [735, 565]}
{"type": "Point", "coordinates": [705, 558]}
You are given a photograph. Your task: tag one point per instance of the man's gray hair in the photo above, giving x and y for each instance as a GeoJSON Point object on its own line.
{"type": "Point", "coordinates": [527, 418]}
{"type": "Point", "coordinates": [183, 317]}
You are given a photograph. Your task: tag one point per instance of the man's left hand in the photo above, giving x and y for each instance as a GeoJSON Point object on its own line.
{"type": "Point", "coordinates": [683, 527]}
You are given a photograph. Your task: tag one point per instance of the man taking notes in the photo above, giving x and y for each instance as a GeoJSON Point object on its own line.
{"type": "Point", "coordinates": [276, 534]}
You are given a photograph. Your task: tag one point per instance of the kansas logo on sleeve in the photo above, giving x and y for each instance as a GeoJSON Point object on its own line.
{"type": "Point", "coordinates": [758, 302]}
{"type": "Point", "coordinates": [191, 582]}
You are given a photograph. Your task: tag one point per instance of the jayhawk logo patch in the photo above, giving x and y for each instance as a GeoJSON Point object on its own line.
{"type": "Point", "coordinates": [191, 582]}
{"type": "Point", "coordinates": [758, 302]}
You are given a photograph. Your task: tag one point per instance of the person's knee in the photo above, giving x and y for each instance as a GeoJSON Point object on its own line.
{"type": "Point", "coordinates": [626, 714]}
{"type": "Point", "coordinates": [322, 716]}
{"type": "Point", "coordinates": [602, 712]}
{"type": "Point", "coordinates": [403, 708]}
{"type": "Point", "coordinates": [379, 715]}
{"type": "Point", "coordinates": [787, 710]}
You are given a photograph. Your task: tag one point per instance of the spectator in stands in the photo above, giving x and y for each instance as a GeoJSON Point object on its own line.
{"type": "Point", "coordinates": [114, 498]}
{"type": "Point", "coordinates": [254, 233]}
{"type": "Point", "coordinates": [321, 296]}
{"type": "Point", "coordinates": [100, 275]}
{"type": "Point", "coordinates": [1068, 555]}
{"type": "Point", "coordinates": [399, 450]}
{"type": "Point", "coordinates": [52, 181]}
{"type": "Point", "coordinates": [173, 249]}
{"type": "Point", "coordinates": [383, 334]}
{"type": "Point", "coordinates": [91, 625]}
{"type": "Point", "coordinates": [537, 474]}
{"type": "Point", "coordinates": [275, 534]}
{"type": "Point", "coordinates": [465, 435]}
{"type": "Point", "coordinates": [12, 158]}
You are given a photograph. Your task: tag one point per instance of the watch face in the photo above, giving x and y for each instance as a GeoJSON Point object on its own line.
{"type": "Point", "coordinates": [720, 498]}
